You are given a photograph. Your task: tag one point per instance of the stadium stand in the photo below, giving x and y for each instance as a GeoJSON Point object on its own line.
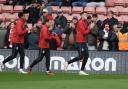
{"type": "Point", "coordinates": [119, 7]}
{"type": "Point", "coordinates": [115, 5]}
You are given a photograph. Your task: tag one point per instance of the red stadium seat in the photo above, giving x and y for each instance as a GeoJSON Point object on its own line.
{"type": "Point", "coordinates": [115, 10]}
{"type": "Point", "coordinates": [109, 3]}
{"type": "Point", "coordinates": [11, 17]}
{"type": "Point", "coordinates": [120, 19]}
{"type": "Point", "coordinates": [6, 15]}
{"type": "Point", "coordinates": [66, 9]}
{"type": "Point", "coordinates": [101, 10]}
{"type": "Point", "coordinates": [125, 18]}
{"type": "Point", "coordinates": [55, 8]}
{"type": "Point", "coordinates": [76, 9]}
{"type": "Point", "coordinates": [0, 8]}
{"type": "Point", "coordinates": [126, 3]}
{"type": "Point", "coordinates": [102, 17]}
{"type": "Point", "coordinates": [119, 8]}
{"type": "Point", "coordinates": [123, 11]}
{"type": "Point", "coordinates": [18, 8]}
{"type": "Point", "coordinates": [2, 1]}
{"type": "Point", "coordinates": [2, 17]}
{"type": "Point", "coordinates": [7, 8]}
{"type": "Point", "coordinates": [69, 17]}
{"type": "Point", "coordinates": [90, 10]}
{"type": "Point", "coordinates": [119, 2]}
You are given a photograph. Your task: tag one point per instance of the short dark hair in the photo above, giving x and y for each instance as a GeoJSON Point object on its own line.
{"type": "Point", "coordinates": [20, 14]}
{"type": "Point", "coordinates": [45, 21]}
{"type": "Point", "coordinates": [94, 15]}
{"type": "Point", "coordinates": [111, 12]}
{"type": "Point", "coordinates": [89, 17]}
{"type": "Point", "coordinates": [106, 24]}
{"type": "Point", "coordinates": [82, 13]}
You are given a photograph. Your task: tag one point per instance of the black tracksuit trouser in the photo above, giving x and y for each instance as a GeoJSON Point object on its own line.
{"type": "Point", "coordinates": [42, 53]}
{"type": "Point", "coordinates": [83, 54]}
{"type": "Point", "coordinates": [17, 47]}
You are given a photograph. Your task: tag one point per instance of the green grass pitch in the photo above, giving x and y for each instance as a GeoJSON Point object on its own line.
{"type": "Point", "coordinates": [62, 81]}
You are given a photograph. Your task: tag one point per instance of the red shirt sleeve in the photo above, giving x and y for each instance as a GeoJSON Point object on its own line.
{"type": "Point", "coordinates": [58, 42]}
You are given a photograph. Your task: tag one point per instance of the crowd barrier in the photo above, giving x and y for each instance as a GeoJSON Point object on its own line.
{"type": "Point", "coordinates": [98, 62]}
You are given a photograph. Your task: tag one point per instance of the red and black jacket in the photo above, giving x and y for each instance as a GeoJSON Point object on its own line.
{"type": "Point", "coordinates": [19, 32]}
{"type": "Point", "coordinates": [82, 31]}
{"type": "Point", "coordinates": [44, 37]}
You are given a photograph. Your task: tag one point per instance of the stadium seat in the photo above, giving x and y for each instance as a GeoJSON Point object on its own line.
{"type": "Point", "coordinates": [2, 17]}
{"type": "Point", "coordinates": [123, 11]}
{"type": "Point", "coordinates": [125, 18]}
{"type": "Point", "coordinates": [55, 9]}
{"type": "Point", "coordinates": [66, 9]}
{"type": "Point", "coordinates": [120, 19]}
{"type": "Point", "coordinates": [119, 8]}
{"type": "Point", "coordinates": [76, 9]}
{"type": "Point", "coordinates": [126, 3]}
{"type": "Point", "coordinates": [115, 10]}
{"type": "Point", "coordinates": [102, 17]}
{"type": "Point", "coordinates": [11, 17]}
{"type": "Point", "coordinates": [6, 15]}
{"type": "Point", "coordinates": [109, 3]}
{"type": "Point", "coordinates": [119, 2]}
{"type": "Point", "coordinates": [2, 1]}
{"type": "Point", "coordinates": [18, 8]}
{"type": "Point", "coordinates": [7, 9]}
{"type": "Point", "coordinates": [101, 10]}
{"type": "Point", "coordinates": [54, 15]}
{"type": "Point", "coordinates": [69, 17]}
{"type": "Point", "coordinates": [0, 8]}
{"type": "Point", "coordinates": [89, 10]}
